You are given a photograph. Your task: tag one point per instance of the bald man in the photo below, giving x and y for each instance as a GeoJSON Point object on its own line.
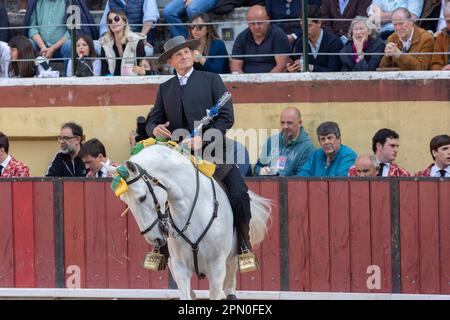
{"type": "Point", "coordinates": [260, 38]}
{"type": "Point", "coordinates": [366, 166]}
{"type": "Point", "coordinates": [284, 153]}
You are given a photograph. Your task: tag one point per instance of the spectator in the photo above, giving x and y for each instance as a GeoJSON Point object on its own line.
{"type": "Point", "coordinates": [20, 48]}
{"type": "Point", "coordinates": [385, 144]}
{"type": "Point", "coordinates": [347, 9]}
{"type": "Point", "coordinates": [141, 15]}
{"type": "Point", "coordinates": [210, 45]}
{"type": "Point", "coordinates": [284, 153]}
{"type": "Point", "coordinates": [407, 38]}
{"type": "Point", "coordinates": [332, 159]}
{"type": "Point", "coordinates": [433, 9]}
{"type": "Point", "coordinates": [4, 23]}
{"type": "Point", "coordinates": [85, 67]}
{"type": "Point", "coordinates": [363, 43]}
{"type": "Point", "coordinates": [147, 67]}
{"type": "Point", "coordinates": [385, 9]}
{"type": "Point", "coordinates": [320, 41]}
{"type": "Point", "coordinates": [9, 166]}
{"type": "Point", "coordinates": [174, 10]}
{"type": "Point", "coordinates": [440, 151]}
{"type": "Point", "coordinates": [66, 162]}
{"type": "Point", "coordinates": [287, 9]}
{"type": "Point", "coordinates": [5, 58]}
{"type": "Point", "coordinates": [93, 155]}
{"type": "Point", "coordinates": [48, 30]}
{"type": "Point", "coordinates": [119, 41]}
{"type": "Point", "coordinates": [260, 38]}
{"type": "Point", "coordinates": [442, 44]}
{"type": "Point", "coordinates": [366, 166]}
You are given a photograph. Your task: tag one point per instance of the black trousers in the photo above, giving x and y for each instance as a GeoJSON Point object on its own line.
{"type": "Point", "coordinates": [237, 193]}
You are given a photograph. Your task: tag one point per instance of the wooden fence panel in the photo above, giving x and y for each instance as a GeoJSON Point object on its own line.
{"type": "Point", "coordinates": [6, 237]}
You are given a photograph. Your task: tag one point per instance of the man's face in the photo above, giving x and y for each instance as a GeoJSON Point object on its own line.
{"type": "Point", "coordinates": [329, 143]}
{"type": "Point", "coordinates": [402, 26]}
{"type": "Point", "coordinates": [182, 60]}
{"type": "Point", "coordinates": [93, 163]}
{"type": "Point", "coordinates": [313, 29]}
{"type": "Point", "coordinates": [442, 156]}
{"type": "Point", "coordinates": [388, 152]}
{"type": "Point", "coordinates": [67, 141]}
{"type": "Point", "coordinates": [365, 168]}
{"type": "Point", "coordinates": [290, 124]}
{"type": "Point", "coordinates": [257, 24]}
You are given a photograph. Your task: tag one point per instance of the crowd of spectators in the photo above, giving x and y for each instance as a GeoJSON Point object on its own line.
{"type": "Point", "coordinates": [345, 35]}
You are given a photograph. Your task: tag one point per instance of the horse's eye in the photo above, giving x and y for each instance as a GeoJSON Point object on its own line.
{"type": "Point", "coordinates": [142, 199]}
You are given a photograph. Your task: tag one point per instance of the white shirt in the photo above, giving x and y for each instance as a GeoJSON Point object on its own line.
{"type": "Point", "coordinates": [385, 170]}
{"type": "Point", "coordinates": [435, 171]}
{"type": "Point", "coordinates": [315, 50]}
{"type": "Point", "coordinates": [407, 44]}
{"type": "Point", "coordinates": [183, 79]}
{"type": "Point", "coordinates": [5, 162]}
{"type": "Point", "coordinates": [103, 169]}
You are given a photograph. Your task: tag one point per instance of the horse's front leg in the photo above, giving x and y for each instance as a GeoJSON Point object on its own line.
{"type": "Point", "coordinates": [182, 276]}
{"type": "Point", "coordinates": [216, 278]}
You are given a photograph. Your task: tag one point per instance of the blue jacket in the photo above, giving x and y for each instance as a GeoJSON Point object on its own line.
{"type": "Point", "coordinates": [316, 166]}
{"type": "Point", "coordinates": [296, 153]}
{"type": "Point", "coordinates": [86, 18]}
{"type": "Point", "coordinates": [215, 65]}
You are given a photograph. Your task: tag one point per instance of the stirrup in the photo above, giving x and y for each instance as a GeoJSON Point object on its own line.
{"type": "Point", "coordinates": [155, 261]}
{"type": "Point", "coordinates": [248, 261]}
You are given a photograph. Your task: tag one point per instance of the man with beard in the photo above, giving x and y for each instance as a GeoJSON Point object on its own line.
{"type": "Point", "coordinates": [284, 153]}
{"type": "Point", "coordinates": [332, 159]}
{"type": "Point", "coordinates": [67, 163]}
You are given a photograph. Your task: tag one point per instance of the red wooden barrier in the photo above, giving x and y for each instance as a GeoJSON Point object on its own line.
{"type": "Point", "coordinates": [336, 230]}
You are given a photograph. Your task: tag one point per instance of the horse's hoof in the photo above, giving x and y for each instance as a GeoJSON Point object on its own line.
{"type": "Point", "coordinates": [232, 297]}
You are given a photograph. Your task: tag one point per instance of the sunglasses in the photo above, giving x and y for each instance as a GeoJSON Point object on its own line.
{"type": "Point", "coordinates": [115, 19]}
{"type": "Point", "coordinates": [197, 26]}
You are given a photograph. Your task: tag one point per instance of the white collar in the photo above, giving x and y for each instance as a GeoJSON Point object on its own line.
{"type": "Point", "coordinates": [435, 171]}
{"type": "Point", "coordinates": [103, 169]}
{"type": "Point", "coordinates": [407, 43]}
{"type": "Point", "coordinates": [186, 76]}
{"type": "Point", "coordinates": [5, 162]}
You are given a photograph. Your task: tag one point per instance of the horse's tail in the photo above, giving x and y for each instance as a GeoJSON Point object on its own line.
{"type": "Point", "coordinates": [261, 209]}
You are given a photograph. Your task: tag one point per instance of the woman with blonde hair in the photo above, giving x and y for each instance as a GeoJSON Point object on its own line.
{"type": "Point", "coordinates": [366, 46]}
{"type": "Point", "coordinates": [210, 45]}
{"type": "Point", "coordinates": [121, 47]}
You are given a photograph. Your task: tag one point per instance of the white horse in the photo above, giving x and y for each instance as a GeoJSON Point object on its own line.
{"type": "Point", "coordinates": [158, 175]}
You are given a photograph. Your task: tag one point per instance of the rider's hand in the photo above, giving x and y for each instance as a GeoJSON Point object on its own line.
{"type": "Point", "coordinates": [161, 131]}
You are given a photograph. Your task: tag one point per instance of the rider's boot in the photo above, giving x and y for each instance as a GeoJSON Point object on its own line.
{"type": "Point", "coordinates": [247, 258]}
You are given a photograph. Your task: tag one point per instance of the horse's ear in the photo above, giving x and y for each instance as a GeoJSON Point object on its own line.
{"type": "Point", "coordinates": [130, 166]}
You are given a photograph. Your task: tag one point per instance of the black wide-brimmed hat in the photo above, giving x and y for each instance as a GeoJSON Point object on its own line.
{"type": "Point", "coordinates": [175, 44]}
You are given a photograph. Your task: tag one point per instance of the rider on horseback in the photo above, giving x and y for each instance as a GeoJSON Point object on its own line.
{"type": "Point", "coordinates": [180, 102]}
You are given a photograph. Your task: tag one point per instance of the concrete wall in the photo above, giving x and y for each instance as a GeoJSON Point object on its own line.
{"type": "Point", "coordinates": [416, 105]}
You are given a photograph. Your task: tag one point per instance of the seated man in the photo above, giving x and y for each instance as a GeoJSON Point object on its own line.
{"type": "Point", "coordinates": [141, 15]}
{"type": "Point", "coordinates": [407, 38]}
{"type": "Point", "coordinates": [9, 166]}
{"type": "Point", "coordinates": [349, 9]}
{"type": "Point", "coordinates": [93, 155]}
{"type": "Point", "coordinates": [320, 41]}
{"type": "Point", "coordinates": [440, 151]}
{"type": "Point", "coordinates": [49, 32]}
{"type": "Point", "coordinates": [67, 163]}
{"type": "Point", "coordinates": [284, 153]}
{"type": "Point", "coordinates": [260, 38]}
{"type": "Point", "coordinates": [332, 159]}
{"type": "Point", "coordinates": [385, 144]}
{"type": "Point", "coordinates": [385, 9]}
{"type": "Point", "coordinates": [366, 166]}
{"type": "Point", "coordinates": [442, 44]}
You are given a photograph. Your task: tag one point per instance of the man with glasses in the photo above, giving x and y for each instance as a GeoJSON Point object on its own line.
{"type": "Point", "coordinates": [67, 163]}
{"type": "Point", "coordinates": [260, 38]}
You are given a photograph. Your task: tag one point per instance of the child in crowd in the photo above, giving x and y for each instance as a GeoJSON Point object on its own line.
{"type": "Point", "coordinates": [147, 67]}
{"type": "Point", "coordinates": [86, 65]}
{"type": "Point", "coordinates": [20, 48]}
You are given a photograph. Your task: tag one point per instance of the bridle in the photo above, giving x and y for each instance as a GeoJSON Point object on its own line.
{"type": "Point", "coordinates": [162, 219]}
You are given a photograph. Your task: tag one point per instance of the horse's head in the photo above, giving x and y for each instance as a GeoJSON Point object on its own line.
{"type": "Point", "coordinates": [146, 197]}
